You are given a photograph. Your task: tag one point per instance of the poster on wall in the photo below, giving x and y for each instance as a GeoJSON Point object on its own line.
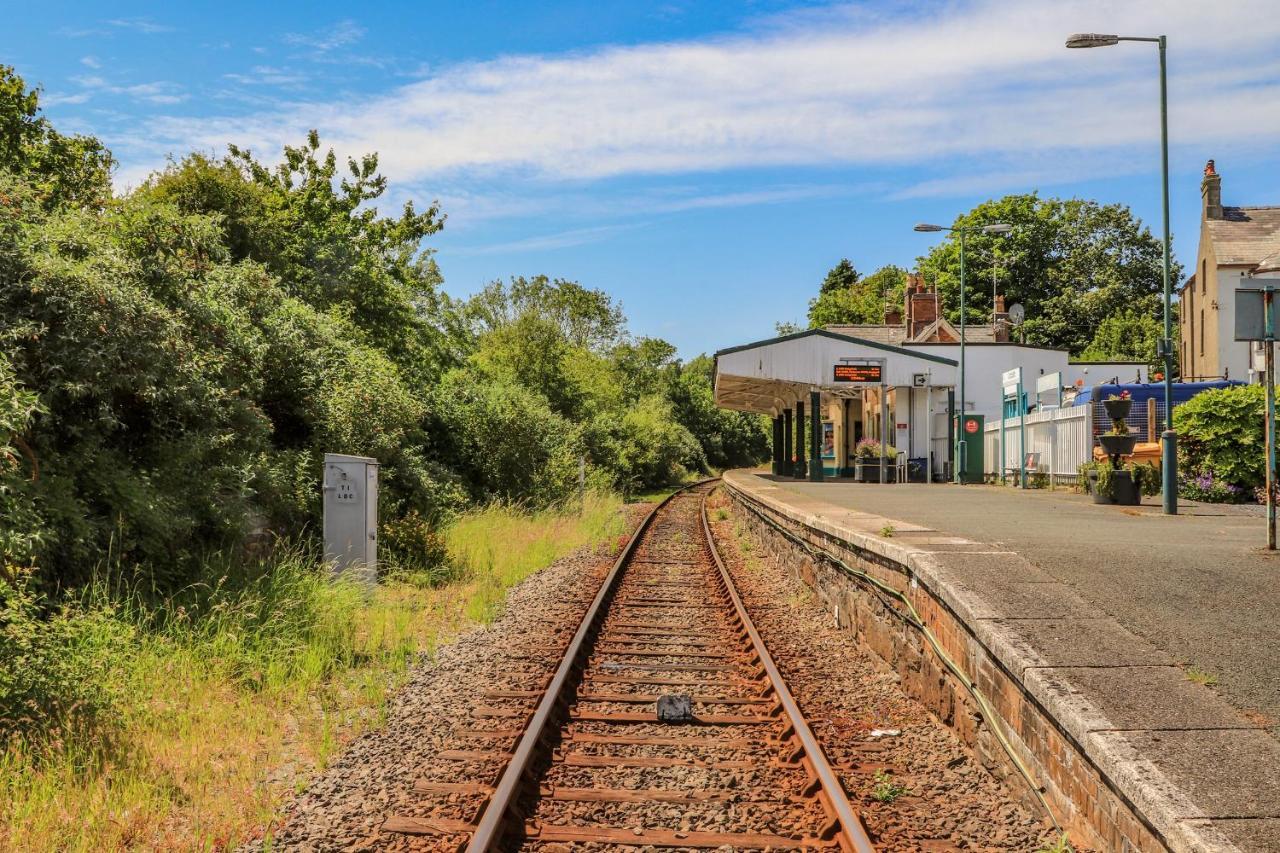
{"type": "Point", "coordinates": [828, 440]}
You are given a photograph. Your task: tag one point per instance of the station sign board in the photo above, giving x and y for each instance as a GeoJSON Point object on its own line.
{"type": "Point", "coordinates": [1251, 314]}
{"type": "Point", "coordinates": [1049, 382]}
{"type": "Point", "coordinates": [865, 373]}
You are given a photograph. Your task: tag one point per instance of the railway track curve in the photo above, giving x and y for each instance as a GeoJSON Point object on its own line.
{"type": "Point", "coordinates": [665, 724]}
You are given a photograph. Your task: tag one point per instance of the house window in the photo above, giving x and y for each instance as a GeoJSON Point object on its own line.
{"type": "Point", "coordinates": [1202, 331]}
{"type": "Point", "coordinates": [1204, 276]}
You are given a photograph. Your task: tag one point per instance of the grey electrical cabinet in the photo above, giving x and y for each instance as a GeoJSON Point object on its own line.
{"type": "Point", "coordinates": [351, 515]}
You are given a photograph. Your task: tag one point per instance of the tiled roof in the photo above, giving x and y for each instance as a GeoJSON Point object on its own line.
{"type": "Point", "coordinates": [897, 335]}
{"type": "Point", "coordinates": [1271, 263]}
{"type": "Point", "coordinates": [872, 332]}
{"type": "Point", "coordinates": [1245, 235]}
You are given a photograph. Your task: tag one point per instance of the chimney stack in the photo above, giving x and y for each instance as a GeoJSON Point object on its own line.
{"type": "Point", "coordinates": [921, 306]}
{"type": "Point", "coordinates": [1211, 192]}
{"type": "Point", "coordinates": [1000, 321]}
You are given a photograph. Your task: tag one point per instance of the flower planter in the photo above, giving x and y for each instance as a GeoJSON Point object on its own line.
{"type": "Point", "coordinates": [869, 472]}
{"type": "Point", "coordinates": [1118, 445]}
{"type": "Point", "coordinates": [1118, 410]}
{"type": "Point", "coordinates": [1124, 489]}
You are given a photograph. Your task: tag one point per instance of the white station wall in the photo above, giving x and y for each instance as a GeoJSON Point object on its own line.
{"type": "Point", "coordinates": [984, 364]}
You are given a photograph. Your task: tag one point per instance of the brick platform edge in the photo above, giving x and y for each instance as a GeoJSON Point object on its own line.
{"type": "Point", "coordinates": [1129, 754]}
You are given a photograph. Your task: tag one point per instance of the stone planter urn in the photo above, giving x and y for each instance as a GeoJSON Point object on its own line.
{"type": "Point", "coordinates": [1121, 489]}
{"type": "Point", "coordinates": [1117, 445]}
{"type": "Point", "coordinates": [1118, 409]}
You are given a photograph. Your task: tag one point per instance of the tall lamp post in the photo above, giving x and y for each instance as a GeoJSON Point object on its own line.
{"type": "Point", "coordinates": [962, 458]}
{"type": "Point", "coordinates": [1168, 438]}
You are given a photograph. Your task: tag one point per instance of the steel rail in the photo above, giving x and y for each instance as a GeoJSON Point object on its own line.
{"type": "Point", "coordinates": [490, 827]}
{"type": "Point", "coordinates": [855, 834]}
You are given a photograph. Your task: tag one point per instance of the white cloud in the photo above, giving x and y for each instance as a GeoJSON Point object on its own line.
{"type": "Point", "coordinates": [90, 62]}
{"type": "Point", "coordinates": [940, 84]}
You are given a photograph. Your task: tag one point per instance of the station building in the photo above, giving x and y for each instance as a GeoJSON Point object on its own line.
{"type": "Point", "coordinates": [827, 389]}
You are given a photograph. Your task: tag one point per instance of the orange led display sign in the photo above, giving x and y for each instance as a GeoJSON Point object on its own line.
{"type": "Point", "coordinates": [858, 372]}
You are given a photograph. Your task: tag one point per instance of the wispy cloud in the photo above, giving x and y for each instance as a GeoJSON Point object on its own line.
{"type": "Point", "coordinates": [146, 26]}
{"type": "Point", "coordinates": [55, 99]}
{"type": "Point", "coordinates": [112, 27]}
{"type": "Point", "coordinates": [161, 92]}
{"type": "Point", "coordinates": [266, 75]}
{"type": "Point", "coordinates": [90, 62]}
{"type": "Point", "coordinates": [338, 35]}
{"type": "Point", "coordinates": [546, 242]}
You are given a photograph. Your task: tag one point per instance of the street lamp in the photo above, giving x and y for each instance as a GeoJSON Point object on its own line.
{"type": "Point", "coordinates": [962, 458]}
{"type": "Point", "coordinates": [1168, 438]}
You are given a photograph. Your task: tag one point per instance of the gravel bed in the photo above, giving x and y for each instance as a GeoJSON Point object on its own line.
{"type": "Point", "coordinates": [950, 801]}
{"type": "Point", "coordinates": [344, 807]}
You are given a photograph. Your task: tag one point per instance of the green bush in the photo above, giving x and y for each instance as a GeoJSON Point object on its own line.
{"type": "Point", "coordinates": [1222, 443]}
{"type": "Point", "coordinates": [504, 441]}
{"type": "Point", "coordinates": [58, 666]}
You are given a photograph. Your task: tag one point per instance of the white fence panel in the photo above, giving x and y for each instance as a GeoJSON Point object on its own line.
{"type": "Point", "coordinates": [1062, 437]}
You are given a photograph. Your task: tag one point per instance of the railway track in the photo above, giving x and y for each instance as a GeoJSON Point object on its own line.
{"type": "Point", "coordinates": [583, 760]}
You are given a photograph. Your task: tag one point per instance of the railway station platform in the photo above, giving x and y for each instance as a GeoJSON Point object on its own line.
{"type": "Point", "coordinates": [1129, 656]}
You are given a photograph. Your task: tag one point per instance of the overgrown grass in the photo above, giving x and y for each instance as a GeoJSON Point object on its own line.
{"type": "Point", "coordinates": [185, 723]}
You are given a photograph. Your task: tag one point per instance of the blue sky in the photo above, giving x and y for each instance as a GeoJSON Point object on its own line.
{"type": "Point", "coordinates": [703, 162]}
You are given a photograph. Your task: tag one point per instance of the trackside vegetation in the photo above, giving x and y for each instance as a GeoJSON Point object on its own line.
{"type": "Point", "coordinates": [186, 723]}
{"type": "Point", "coordinates": [174, 363]}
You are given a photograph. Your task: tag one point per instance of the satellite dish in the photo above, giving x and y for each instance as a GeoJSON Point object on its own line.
{"type": "Point", "coordinates": [1017, 313]}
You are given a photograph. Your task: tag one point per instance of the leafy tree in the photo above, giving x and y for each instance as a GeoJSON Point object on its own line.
{"type": "Point", "coordinates": [61, 170]}
{"type": "Point", "coordinates": [319, 233]}
{"type": "Point", "coordinates": [729, 439]}
{"type": "Point", "coordinates": [583, 317]}
{"type": "Point", "coordinates": [840, 277]}
{"type": "Point", "coordinates": [1075, 263]}
{"type": "Point", "coordinates": [1126, 336]}
{"type": "Point", "coordinates": [862, 301]}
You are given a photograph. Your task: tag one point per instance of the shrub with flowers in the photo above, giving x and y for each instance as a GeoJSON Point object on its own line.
{"type": "Point", "coordinates": [1221, 444]}
{"type": "Point", "coordinates": [869, 449]}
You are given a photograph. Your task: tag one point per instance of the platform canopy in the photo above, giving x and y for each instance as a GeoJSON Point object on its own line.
{"type": "Point", "coordinates": [769, 376]}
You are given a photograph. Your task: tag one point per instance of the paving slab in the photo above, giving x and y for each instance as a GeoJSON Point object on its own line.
{"type": "Point", "coordinates": [1224, 773]}
{"type": "Point", "coordinates": [1251, 835]}
{"type": "Point", "coordinates": [1153, 698]}
{"type": "Point", "coordinates": [1088, 642]}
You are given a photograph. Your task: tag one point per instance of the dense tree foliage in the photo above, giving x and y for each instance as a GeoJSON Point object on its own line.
{"type": "Point", "coordinates": [845, 298]}
{"type": "Point", "coordinates": [176, 362]}
{"type": "Point", "coordinates": [1072, 263]}
{"type": "Point", "coordinates": [1126, 335]}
